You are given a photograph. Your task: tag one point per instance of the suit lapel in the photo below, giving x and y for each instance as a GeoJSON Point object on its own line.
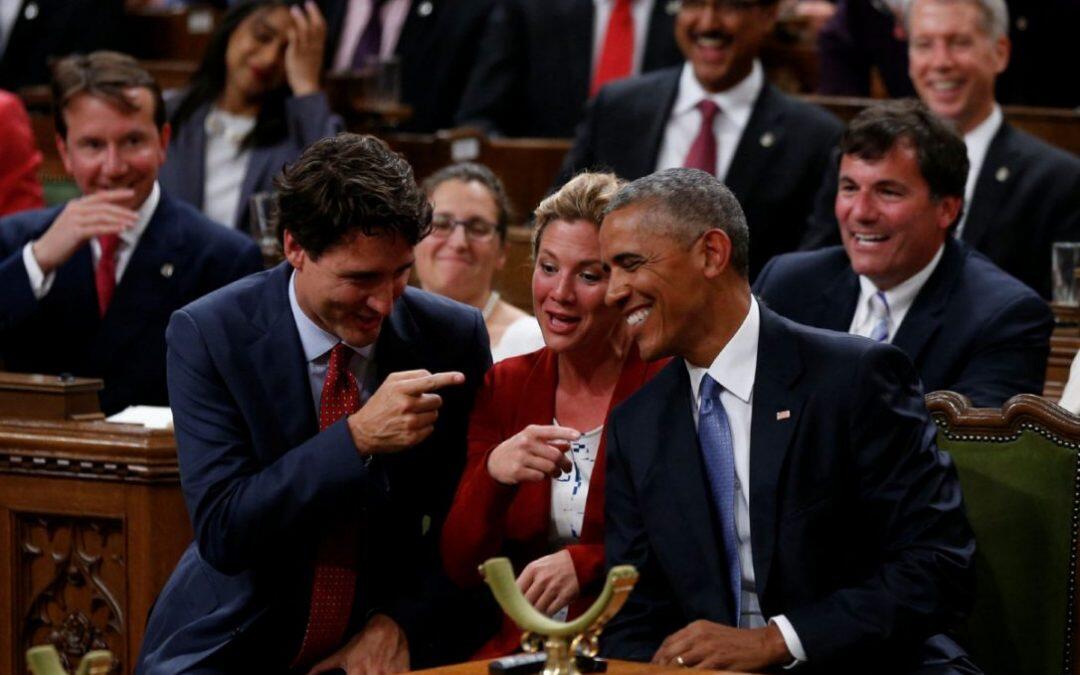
{"type": "Point", "coordinates": [680, 467]}
{"type": "Point", "coordinates": [757, 145]}
{"type": "Point", "coordinates": [990, 196]}
{"type": "Point", "coordinates": [575, 22]}
{"type": "Point", "coordinates": [924, 318]}
{"type": "Point", "coordinates": [836, 306]}
{"type": "Point", "coordinates": [776, 407]}
{"type": "Point", "coordinates": [643, 156]}
{"type": "Point", "coordinates": [418, 33]}
{"type": "Point", "coordinates": [285, 387]}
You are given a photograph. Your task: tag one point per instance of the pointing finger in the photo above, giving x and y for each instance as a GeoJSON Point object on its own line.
{"type": "Point", "coordinates": [424, 385]}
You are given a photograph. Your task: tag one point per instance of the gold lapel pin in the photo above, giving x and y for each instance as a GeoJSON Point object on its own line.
{"type": "Point", "coordinates": [425, 9]}
{"type": "Point", "coordinates": [767, 139]}
{"type": "Point", "coordinates": [1002, 174]}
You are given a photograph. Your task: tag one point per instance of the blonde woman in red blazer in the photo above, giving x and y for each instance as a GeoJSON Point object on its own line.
{"type": "Point", "coordinates": [530, 411]}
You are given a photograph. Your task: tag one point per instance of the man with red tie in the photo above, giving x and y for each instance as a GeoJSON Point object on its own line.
{"type": "Point", "coordinates": [717, 113]}
{"type": "Point", "coordinates": [89, 285]}
{"type": "Point", "coordinates": [320, 411]}
{"type": "Point", "coordinates": [541, 60]}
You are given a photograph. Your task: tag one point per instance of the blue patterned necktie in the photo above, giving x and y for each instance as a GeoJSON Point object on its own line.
{"type": "Point", "coordinates": [879, 309]}
{"type": "Point", "coordinates": [714, 435]}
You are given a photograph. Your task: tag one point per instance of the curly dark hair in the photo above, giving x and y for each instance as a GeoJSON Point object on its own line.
{"type": "Point", "coordinates": [208, 80]}
{"type": "Point", "coordinates": [939, 149]}
{"type": "Point", "coordinates": [345, 185]}
{"type": "Point", "coordinates": [106, 75]}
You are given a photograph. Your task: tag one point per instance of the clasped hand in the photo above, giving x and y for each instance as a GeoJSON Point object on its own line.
{"type": "Point", "coordinates": [401, 412]}
{"type": "Point", "coordinates": [532, 454]}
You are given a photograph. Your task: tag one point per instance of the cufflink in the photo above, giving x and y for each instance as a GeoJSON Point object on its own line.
{"type": "Point", "coordinates": [1002, 174]}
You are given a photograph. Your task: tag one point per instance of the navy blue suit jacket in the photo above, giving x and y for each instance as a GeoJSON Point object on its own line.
{"type": "Point", "coordinates": [775, 173]}
{"type": "Point", "coordinates": [180, 256]}
{"type": "Point", "coordinates": [307, 119]}
{"type": "Point", "coordinates": [972, 328]}
{"type": "Point", "coordinates": [263, 486]}
{"type": "Point", "coordinates": [1027, 196]}
{"type": "Point", "coordinates": [856, 519]}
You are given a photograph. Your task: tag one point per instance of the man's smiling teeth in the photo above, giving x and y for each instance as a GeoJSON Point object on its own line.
{"type": "Point", "coordinates": [711, 41]}
{"type": "Point", "coordinates": [638, 316]}
{"type": "Point", "coordinates": [945, 85]}
{"type": "Point", "coordinates": [870, 238]}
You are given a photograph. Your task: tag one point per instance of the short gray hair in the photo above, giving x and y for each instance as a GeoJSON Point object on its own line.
{"type": "Point", "coordinates": [687, 203]}
{"type": "Point", "coordinates": [995, 15]}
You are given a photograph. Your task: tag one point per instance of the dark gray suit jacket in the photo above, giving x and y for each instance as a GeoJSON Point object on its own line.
{"type": "Point", "coordinates": [308, 118]}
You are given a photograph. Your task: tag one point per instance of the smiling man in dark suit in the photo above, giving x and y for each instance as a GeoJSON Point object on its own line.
{"type": "Point", "coordinates": [1021, 195]}
{"type": "Point", "coordinates": [717, 113]}
{"type": "Point", "coordinates": [777, 487]}
{"type": "Point", "coordinates": [901, 278]}
{"type": "Point", "coordinates": [89, 285]}
{"type": "Point", "coordinates": [318, 461]}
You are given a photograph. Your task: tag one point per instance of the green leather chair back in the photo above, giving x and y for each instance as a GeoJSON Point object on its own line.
{"type": "Point", "coordinates": [1018, 470]}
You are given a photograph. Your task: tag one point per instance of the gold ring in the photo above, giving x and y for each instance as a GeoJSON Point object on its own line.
{"type": "Point", "coordinates": [679, 660]}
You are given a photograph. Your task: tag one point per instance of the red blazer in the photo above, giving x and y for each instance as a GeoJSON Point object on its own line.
{"type": "Point", "coordinates": [489, 519]}
{"type": "Point", "coordinates": [19, 186]}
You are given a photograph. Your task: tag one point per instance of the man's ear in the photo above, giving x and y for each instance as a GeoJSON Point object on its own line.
{"type": "Point", "coordinates": [294, 252]}
{"type": "Point", "coordinates": [1002, 51]}
{"type": "Point", "coordinates": [62, 149]}
{"type": "Point", "coordinates": [716, 248]}
{"type": "Point", "coordinates": [947, 210]}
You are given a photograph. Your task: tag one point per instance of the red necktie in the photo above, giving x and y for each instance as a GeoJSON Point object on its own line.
{"type": "Point", "coordinates": [702, 153]}
{"type": "Point", "coordinates": [105, 272]}
{"type": "Point", "coordinates": [617, 56]}
{"type": "Point", "coordinates": [334, 583]}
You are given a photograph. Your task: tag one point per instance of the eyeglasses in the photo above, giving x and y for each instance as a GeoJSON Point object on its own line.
{"type": "Point", "coordinates": [719, 5]}
{"type": "Point", "coordinates": [476, 229]}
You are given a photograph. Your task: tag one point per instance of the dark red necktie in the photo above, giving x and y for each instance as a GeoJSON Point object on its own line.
{"type": "Point", "coordinates": [617, 55]}
{"type": "Point", "coordinates": [334, 582]}
{"type": "Point", "coordinates": [702, 153]}
{"type": "Point", "coordinates": [105, 272]}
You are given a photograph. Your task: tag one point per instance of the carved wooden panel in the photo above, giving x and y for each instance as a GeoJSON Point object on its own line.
{"type": "Point", "coordinates": [72, 584]}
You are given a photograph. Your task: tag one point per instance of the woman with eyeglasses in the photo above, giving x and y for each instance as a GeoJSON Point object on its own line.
{"type": "Point", "coordinates": [252, 106]}
{"type": "Point", "coordinates": [467, 245]}
{"type": "Point", "coordinates": [533, 485]}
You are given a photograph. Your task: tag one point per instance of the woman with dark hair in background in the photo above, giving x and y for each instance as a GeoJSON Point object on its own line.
{"type": "Point", "coordinates": [253, 105]}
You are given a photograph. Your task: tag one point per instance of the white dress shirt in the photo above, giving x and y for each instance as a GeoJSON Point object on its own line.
{"type": "Point", "coordinates": [226, 164]}
{"type": "Point", "coordinates": [978, 143]}
{"type": "Point", "coordinates": [392, 13]}
{"type": "Point", "coordinates": [641, 10]}
{"type": "Point", "coordinates": [317, 344]}
{"type": "Point", "coordinates": [899, 299]}
{"type": "Point", "coordinates": [736, 104]}
{"type": "Point", "coordinates": [41, 283]}
{"type": "Point", "coordinates": [734, 369]}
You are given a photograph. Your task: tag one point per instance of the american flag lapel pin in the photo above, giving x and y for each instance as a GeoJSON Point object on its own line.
{"type": "Point", "coordinates": [783, 415]}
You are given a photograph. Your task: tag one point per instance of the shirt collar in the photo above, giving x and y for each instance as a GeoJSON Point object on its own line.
{"type": "Point", "coordinates": [901, 296]}
{"type": "Point", "coordinates": [315, 341]}
{"type": "Point", "coordinates": [144, 213]}
{"type": "Point", "coordinates": [735, 367]}
{"type": "Point", "coordinates": [978, 139]}
{"type": "Point", "coordinates": [736, 102]}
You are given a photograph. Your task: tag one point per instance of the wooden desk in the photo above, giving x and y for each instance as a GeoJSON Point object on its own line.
{"type": "Point", "coordinates": [614, 668]}
{"type": "Point", "coordinates": [92, 523]}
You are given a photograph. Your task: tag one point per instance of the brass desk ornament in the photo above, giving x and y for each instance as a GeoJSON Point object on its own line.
{"type": "Point", "coordinates": [44, 660]}
{"type": "Point", "coordinates": [560, 640]}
